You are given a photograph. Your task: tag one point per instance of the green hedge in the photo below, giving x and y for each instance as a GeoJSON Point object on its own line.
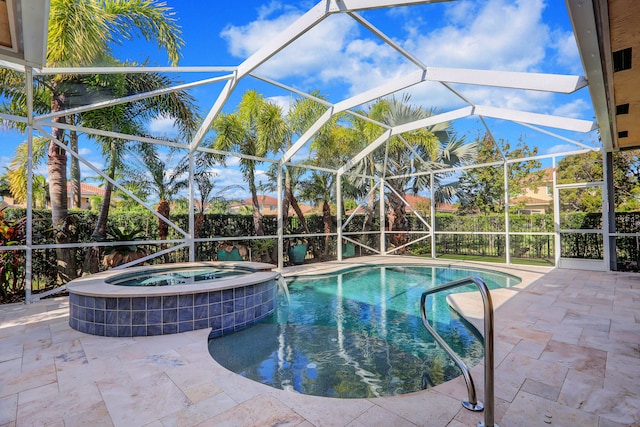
{"type": "Point", "coordinates": [580, 245]}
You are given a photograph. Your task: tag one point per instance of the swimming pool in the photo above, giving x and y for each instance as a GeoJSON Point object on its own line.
{"type": "Point", "coordinates": [357, 334]}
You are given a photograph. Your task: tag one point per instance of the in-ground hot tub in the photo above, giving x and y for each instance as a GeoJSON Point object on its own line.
{"type": "Point", "coordinates": [171, 298]}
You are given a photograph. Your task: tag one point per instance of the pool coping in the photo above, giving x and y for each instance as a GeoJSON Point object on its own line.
{"type": "Point", "coordinates": [94, 285]}
{"type": "Point", "coordinates": [545, 355]}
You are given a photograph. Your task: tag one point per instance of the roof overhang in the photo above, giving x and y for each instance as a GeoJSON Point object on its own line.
{"type": "Point", "coordinates": [23, 32]}
{"type": "Point", "coordinates": [602, 28]}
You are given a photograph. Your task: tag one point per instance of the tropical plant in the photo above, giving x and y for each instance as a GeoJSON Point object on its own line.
{"type": "Point", "coordinates": [249, 131]}
{"type": "Point", "coordinates": [319, 189]}
{"type": "Point", "coordinates": [119, 254]}
{"type": "Point", "coordinates": [409, 158]}
{"type": "Point", "coordinates": [17, 170]}
{"type": "Point", "coordinates": [12, 262]}
{"type": "Point", "coordinates": [302, 114]}
{"type": "Point", "coordinates": [130, 119]}
{"type": "Point", "coordinates": [482, 189]}
{"type": "Point", "coordinates": [82, 33]}
{"type": "Point", "coordinates": [157, 175]}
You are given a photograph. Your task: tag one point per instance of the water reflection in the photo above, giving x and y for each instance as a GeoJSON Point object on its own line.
{"type": "Point", "coordinates": [355, 334]}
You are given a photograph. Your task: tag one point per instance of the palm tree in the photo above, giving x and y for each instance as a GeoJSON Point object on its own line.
{"type": "Point", "coordinates": [302, 114]}
{"type": "Point", "coordinates": [319, 189]}
{"type": "Point", "coordinates": [17, 170]}
{"type": "Point", "coordinates": [205, 186]}
{"type": "Point", "coordinates": [422, 150]}
{"type": "Point", "coordinates": [81, 33]}
{"type": "Point", "coordinates": [166, 184]}
{"type": "Point", "coordinates": [331, 149]}
{"type": "Point", "coordinates": [251, 130]}
{"type": "Point", "coordinates": [130, 119]}
{"type": "Point", "coordinates": [356, 137]}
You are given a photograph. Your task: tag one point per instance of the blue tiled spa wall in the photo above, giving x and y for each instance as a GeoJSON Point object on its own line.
{"type": "Point", "coordinates": [223, 311]}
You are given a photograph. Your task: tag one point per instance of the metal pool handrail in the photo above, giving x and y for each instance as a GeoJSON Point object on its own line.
{"type": "Point", "coordinates": [472, 403]}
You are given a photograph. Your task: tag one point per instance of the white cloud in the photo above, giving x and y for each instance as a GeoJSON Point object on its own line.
{"type": "Point", "coordinates": [4, 162]}
{"type": "Point", "coordinates": [566, 51]}
{"type": "Point", "coordinates": [163, 126]}
{"type": "Point", "coordinates": [232, 161]}
{"type": "Point", "coordinates": [575, 109]}
{"type": "Point", "coordinates": [491, 34]}
{"type": "Point", "coordinates": [562, 148]}
{"type": "Point", "coordinates": [85, 171]}
{"type": "Point", "coordinates": [498, 35]}
{"type": "Point", "coordinates": [245, 40]}
{"type": "Point", "coordinates": [283, 102]}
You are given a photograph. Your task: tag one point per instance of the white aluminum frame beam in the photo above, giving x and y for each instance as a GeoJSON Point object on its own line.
{"type": "Point", "coordinates": [557, 83]}
{"type": "Point", "coordinates": [558, 122]}
{"type": "Point", "coordinates": [356, 5]}
{"type": "Point", "coordinates": [429, 121]}
{"type": "Point", "coordinates": [346, 104]}
{"type": "Point", "coordinates": [131, 98]}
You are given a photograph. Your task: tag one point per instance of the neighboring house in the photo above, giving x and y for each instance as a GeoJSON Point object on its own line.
{"type": "Point", "coordinates": [538, 200]}
{"type": "Point", "coordinates": [268, 206]}
{"type": "Point", "coordinates": [86, 192]}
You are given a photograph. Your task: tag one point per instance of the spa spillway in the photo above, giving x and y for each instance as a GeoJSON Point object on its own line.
{"type": "Point", "coordinates": [172, 298]}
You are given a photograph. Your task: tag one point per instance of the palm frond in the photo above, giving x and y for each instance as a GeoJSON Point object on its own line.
{"type": "Point", "coordinates": [17, 170]}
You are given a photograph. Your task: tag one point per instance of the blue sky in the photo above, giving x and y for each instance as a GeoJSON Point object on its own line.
{"type": "Point", "coordinates": [340, 58]}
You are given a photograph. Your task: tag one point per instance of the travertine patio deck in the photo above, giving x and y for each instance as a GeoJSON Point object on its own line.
{"type": "Point", "coordinates": [568, 354]}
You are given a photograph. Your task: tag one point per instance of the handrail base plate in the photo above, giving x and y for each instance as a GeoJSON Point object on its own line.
{"type": "Point", "coordinates": [478, 407]}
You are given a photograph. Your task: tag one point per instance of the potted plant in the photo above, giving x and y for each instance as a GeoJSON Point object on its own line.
{"type": "Point", "coordinates": [122, 254]}
{"type": "Point", "coordinates": [231, 251]}
{"type": "Point", "coordinates": [297, 250]}
{"type": "Point", "coordinates": [262, 250]}
{"type": "Point", "coordinates": [348, 250]}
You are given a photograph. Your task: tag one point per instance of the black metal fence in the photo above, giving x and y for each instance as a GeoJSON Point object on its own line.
{"type": "Point", "coordinates": [524, 244]}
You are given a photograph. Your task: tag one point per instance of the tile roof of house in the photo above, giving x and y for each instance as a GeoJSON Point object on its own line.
{"type": "Point", "coordinates": [262, 199]}
{"type": "Point", "coordinates": [87, 189]}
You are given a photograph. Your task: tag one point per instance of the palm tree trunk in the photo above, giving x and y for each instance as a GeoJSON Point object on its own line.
{"type": "Point", "coordinates": [163, 228]}
{"type": "Point", "coordinates": [57, 168]}
{"type": "Point", "coordinates": [368, 216]}
{"type": "Point", "coordinates": [100, 229]}
{"type": "Point", "coordinates": [92, 259]}
{"type": "Point", "coordinates": [257, 215]}
{"type": "Point", "coordinates": [163, 209]}
{"type": "Point", "coordinates": [399, 220]}
{"type": "Point", "coordinates": [293, 202]}
{"type": "Point", "coordinates": [326, 220]}
{"type": "Point", "coordinates": [76, 200]}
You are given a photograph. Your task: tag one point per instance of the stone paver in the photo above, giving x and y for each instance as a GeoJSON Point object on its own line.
{"type": "Point", "coordinates": [567, 354]}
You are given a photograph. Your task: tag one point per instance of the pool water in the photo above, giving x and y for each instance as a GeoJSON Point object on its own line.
{"type": "Point", "coordinates": [173, 276]}
{"type": "Point", "coordinates": [357, 334]}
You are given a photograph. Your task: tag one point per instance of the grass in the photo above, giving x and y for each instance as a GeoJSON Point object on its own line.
{"type": "Point", "coordinates": [524, 261]}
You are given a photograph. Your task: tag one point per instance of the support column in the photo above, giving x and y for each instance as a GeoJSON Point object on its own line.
{"type": "Point", "coordinates": [339, 214]}
{"type": "Point", "coordinates": [556, 214]}
{"type": "Point", "coordinates": [29, 230]}
{"type": "Point", "coordinates": [507, 228]}
{"type": "Point", "coordinates": [433, 218]}
{"type": "Point", "coordinates": [609, 213]}
{"type": "Point", "coordinates": [192, 222]}
{"type": "Point", "coordinates": [280, 221]}
{"type": "Point", "coordinates": [383, 217]}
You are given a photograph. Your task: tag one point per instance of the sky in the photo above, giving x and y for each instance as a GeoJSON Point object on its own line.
{"type": "Point", "coordinates": [341, 58]}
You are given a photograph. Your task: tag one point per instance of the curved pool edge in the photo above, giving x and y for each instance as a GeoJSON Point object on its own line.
{"type": "Point", "coordinates": [224, 304]}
